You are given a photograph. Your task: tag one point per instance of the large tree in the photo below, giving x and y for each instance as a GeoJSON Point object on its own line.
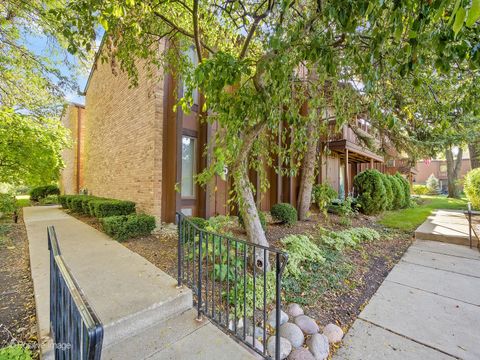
{"type": "Point", "coordinates": [250, 54]}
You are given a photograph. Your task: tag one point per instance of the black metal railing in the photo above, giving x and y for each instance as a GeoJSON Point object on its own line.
{"type": "Point", "coordinates": [471, 230]}
{"type": "Point", "coordinates": [235, 283]}
{"type": "Point", "coordinates": [76, 330]}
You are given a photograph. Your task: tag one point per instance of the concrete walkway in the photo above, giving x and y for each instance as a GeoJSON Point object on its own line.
{"type": "Point", "coordinates": [449, 226]}
{"type": "Point", "coordinates": [428, 307]}
{"type": "Point", "coordinates": [144, 314]}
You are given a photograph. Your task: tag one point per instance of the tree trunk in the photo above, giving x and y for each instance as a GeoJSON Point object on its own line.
{"type": "Point", "coordinates": [474, 150]}
{"type": "Point", "coordinates": [453, 171]}
{"type": "Point", "coordinates": [246, 200]}
{"type": "Point", "coordinates": [307, 178]}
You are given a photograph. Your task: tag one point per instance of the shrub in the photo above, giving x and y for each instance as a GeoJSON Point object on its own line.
{"type": "Point", "coordinates": [433, 185]}
{"type": "Point", "coordinates": [420, 189]}
{"type": "Point", "coordinates": [122, 227]}
{"type": "Point", "coordinates": [372, 193]}
{"type": "Point", "coordinates": [389, 191]}
{"type": "Point", "coordinates": [7, 204]}
{"type": "Point", "coordinates": [302, 253]}
{"type": "Point", "coordinates": [76, 203]}
{"type": "Point", "coordinates": [405, 188]}
{"type": "Point", "coordinates": [350, 238]}
{"type": "Point", "coordinates": [62, 199]}
{"type": "Point", "coordinates": [285, 213]}
{"type": "Point", "coordinates": [41, 192]}
{"type": "Point", "coordinates": [472, 187]}
{"type": "Point", "coordinates": [322, 195]}
{"type": "Point", "coordinates": [16, 352]}
{"type": "Point", "coordinates": [49, 200]}
{"type": "Point", "coordinates": [105, 208]}
{"type": "Point", "coordinates": [199, 222]}
{"type": "Point", "coordinates": [261, 215]}
{"type": "Point", "coordinates": [219, 224]}
{"type": "Point", "coordinates": [398, 194]}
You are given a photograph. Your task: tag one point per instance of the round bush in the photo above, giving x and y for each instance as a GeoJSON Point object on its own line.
{"type": "Point", "coordinates": [398, 194]}
{"type": "Point", "coordinates": [199, 222]}
{"type": "Point", "coordinates": [285, 213]}
{"type": "Point", "coordinates": [472, 187]}
{"type": "Point", "coordinates": [261, 215]}
{"type": "Point", "coordinates": [420, 189]}
{"type": "Point", "coordinates": [389, 191]}
{"type": "Point", "coordinates": [405, 188]}
{"type": "Point", "coordinates": [372, 193]}
{"type": "Point", "coordinates": [322, 195]}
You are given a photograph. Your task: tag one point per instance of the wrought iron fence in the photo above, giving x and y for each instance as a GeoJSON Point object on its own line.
{"type": "Point", "coordinates": [76, 330]}
{"type": "Point", "coordinates": [469, 213]}
{"type": "Point", "coordinates": [235, 283]}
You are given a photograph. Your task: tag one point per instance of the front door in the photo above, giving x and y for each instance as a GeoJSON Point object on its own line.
{"type": "Point", "coordinates": [189, 169]}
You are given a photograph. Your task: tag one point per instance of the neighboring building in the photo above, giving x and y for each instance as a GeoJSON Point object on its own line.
{"type": "Point", "coordinates": [137, 148]}
{"type": "Point", "coordinates": [439, 169]}
{"type": "Point", "coordinates": [72, 178]}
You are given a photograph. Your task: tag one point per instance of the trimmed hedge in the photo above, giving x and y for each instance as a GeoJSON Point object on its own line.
{"type": "Point", "coordinates": [420, 189]}
{"type": "Point", "coordinates": [398, 194]}
{"type": "Point", "coordinates": [105, 208]}
{"type": "Point", "coordinates": [372, 193]}
{"type": "Point", "coordinates": [406, 190]}
{"type": "Point", "coordinates": [123, 227]}
{"type": "Point", "coordinates": [261, 215]}
{"type": "Point", "coordinates": [389, 191]}
{"type": "Point", "coordinates": [41, 192]}
{"type": "Point", "coordinates": [285, 213]}
{"type": "Point", "coordinates": [472, 187]}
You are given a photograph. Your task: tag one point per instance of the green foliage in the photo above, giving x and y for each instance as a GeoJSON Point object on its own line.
{"type": "Point", "coordinates": [350, 238]}
{"type": "Point", "coordinates": [7, 203]}
{"type": "Point", "coordinates": [405, 189]}
{"type": "Point", "coordinates": [15, 352]}
{"type": "Point", "coordinates": [41, 192]}
{"type": "Point", "coordinates": [237, 291]}
{"type": "Point", "coordinates": [420, 189]}
{"type": "Point", "coordinates": [219, 224]}
{"type": "Point", "coordinates": [261, 215]}
{"type": "Point", "coordinates": [76, 203]}
{"type": "Point", "coordinates": [63, 200]}
{"type": "Point", "coordinates": [388, 190]}
{"type": "Point", "coordinates": [49, 200]}
{"type": "Point", "coordinates": [372, 196]}
{"type": "Point", "coordinates": [104, 208]}
{"type": "Point", "coordinates": [472, 187]}
{"type": "Point", "coordinates": [123, 227]}
{"type": "Point", "coordinates": [302, 253]}
{"type": "Point", "coordinates": [398, 194]}
{"type": "Point", "coordinates": [322, 195]}
{"type": "Point", "coordinates": [285, 213]}
{"type": "Point", "coordinates": [199, 222]}
{"type": "Point", "coordinates": [433, 185]}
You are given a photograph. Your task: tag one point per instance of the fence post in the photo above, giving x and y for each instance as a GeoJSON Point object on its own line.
{"type": "Point", "coordinates": [199, 286]}
{"type": "Point", "coordinates": [179, 250]}
{"type": "Point", "coordinates": [277, 307]}
{"type": "Point", "coordinates": [470, 223]}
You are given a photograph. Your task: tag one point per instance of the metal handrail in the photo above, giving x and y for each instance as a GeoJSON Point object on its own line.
{"type": "Point", "coordinates": [469, 214]}
{"type": "Point", "coordinates": [217, 282]}
{"type": "Point", "coordinates": [76, 330]}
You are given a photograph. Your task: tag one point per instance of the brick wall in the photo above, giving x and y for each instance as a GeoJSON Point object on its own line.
{"type": "Point", "coordinates": [123, 138]}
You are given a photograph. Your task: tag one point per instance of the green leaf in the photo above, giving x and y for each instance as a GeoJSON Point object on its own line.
{"type": "Point", "coordinates": [459, 19]}
{"type": "Point", "coordinates": [473, 13]}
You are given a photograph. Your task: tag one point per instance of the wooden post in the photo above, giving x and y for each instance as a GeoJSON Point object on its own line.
{"type": "Point", "coordinates": [347, 173]}
{"type": "Point", "coordinates": [371, 164]}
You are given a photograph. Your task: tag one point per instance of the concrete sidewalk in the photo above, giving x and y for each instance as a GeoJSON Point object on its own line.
{"type": "Point", "coordinates": [428, 307]}
{"type": "Point", "coordinates": [449, 226]}
{"type": "Point", "coordinates": [143, 312]}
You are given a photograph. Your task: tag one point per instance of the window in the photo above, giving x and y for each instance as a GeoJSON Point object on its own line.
{"type": "Point", "coordinates": [192, 56]}
{"type": "Point", "coordinates": [188, 166]}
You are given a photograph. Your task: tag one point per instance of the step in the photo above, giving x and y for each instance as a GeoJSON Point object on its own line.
{"type": "Point", "coordinates": [128, 293]}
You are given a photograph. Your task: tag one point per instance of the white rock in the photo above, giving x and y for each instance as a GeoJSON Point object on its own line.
{"type": "Point", "coordinates": [294, 310]}
{"type": "Point", "coordinates": [292, 333]}
{"type": "Point", "coordinates": [285, 347]}
{"type": "Point", "coordinates": [258, 344]}
{"type": "Point", "coordinates": [318, 345]}
{"type": "Point", "coordinates": [272, 318]}
{"type": "Point", "coordinates": [333, 332]}
{"type": "Point", "coordinates": [307, 324]}
{"type": "Point", "coordinates": [301, 354]}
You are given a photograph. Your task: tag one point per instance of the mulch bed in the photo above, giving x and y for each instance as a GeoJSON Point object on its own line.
{"type": "Point", "coordinates": [371, 263]}
{"type": "Point", "coordinates": [17, 302]}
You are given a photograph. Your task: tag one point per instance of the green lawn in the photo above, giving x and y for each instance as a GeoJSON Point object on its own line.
{"type": "Point", "coordinates": [409, 219]}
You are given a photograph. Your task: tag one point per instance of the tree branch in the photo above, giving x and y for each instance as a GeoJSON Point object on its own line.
{"type": "Point", "coordinates": [196, 35]}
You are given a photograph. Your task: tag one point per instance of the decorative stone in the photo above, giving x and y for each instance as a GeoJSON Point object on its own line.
{"type": "Point", "coordinates": [285, 347]}
{"type": "Point", "coordinates": [301, 354]}
{"type": "Point", "coordinates": [307, 324]}
{"type": "Point", "coordinates": [272, 318]}
{"type": "Point", "coordinates": [294, 310]}
{"type": "Point", "coordinates": [318, 346]}
{"type": "Point", "coordinates": [333, 332]}
{"type": "Point", "coordinates": [258, 344]}
{"type": "Point", "coordinates": [259, 333]}
{"type": "Point", "coordinates": [292, 333]}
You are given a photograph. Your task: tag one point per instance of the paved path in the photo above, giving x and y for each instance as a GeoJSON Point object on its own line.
{"type": "Point", "coordinates": [428, 307]}
{"type": "Point", "coordinates": [447, 226]}
{"type": "Point", "coordinates": [143, 312]}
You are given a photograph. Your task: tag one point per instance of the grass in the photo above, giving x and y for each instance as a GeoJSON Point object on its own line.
{"type": "Point", "coordinates": [409, 219]}
{"type": "Point", "coordinates": [22, 200]}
